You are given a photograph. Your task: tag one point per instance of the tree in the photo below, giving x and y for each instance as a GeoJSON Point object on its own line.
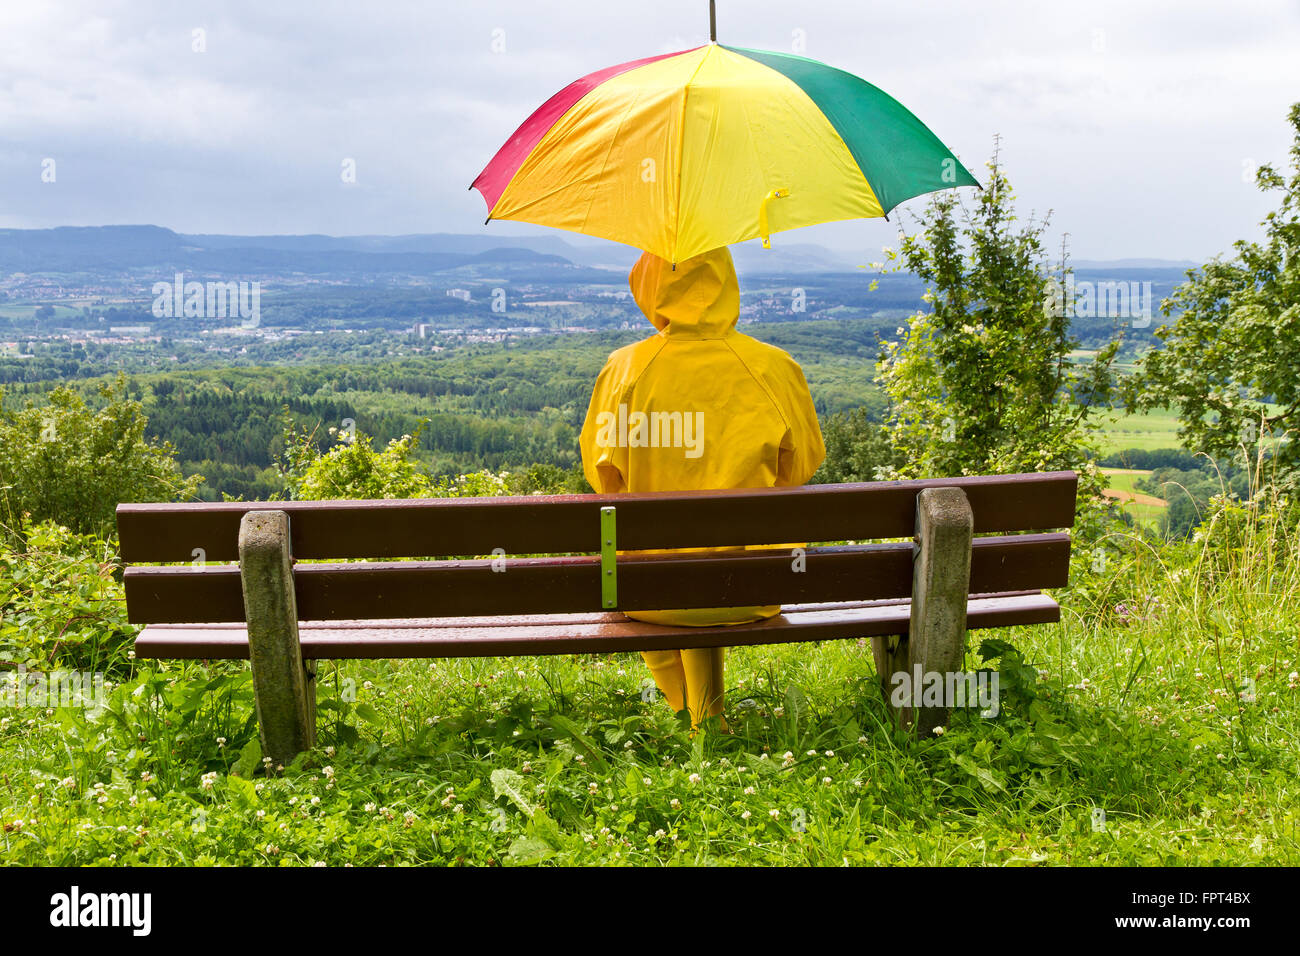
{"type": "Point", "coordinates": [983, 382]}
{"type": "Point", "coordinates": [1235, 347]}
{"type": "Point", "coordinates": [857, 449]}
{"type": "Point", "coordinates": [72, 464]}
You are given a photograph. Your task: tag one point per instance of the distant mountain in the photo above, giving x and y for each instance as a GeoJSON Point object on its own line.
{"type": "Point", "coordinates": [120, 249]}
{"type": "Point", "coordinates": [124, 249]}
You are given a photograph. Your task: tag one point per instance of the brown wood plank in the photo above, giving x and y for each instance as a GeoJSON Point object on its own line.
{"type": "Point", "coordinates": [570, 523]}
{"type": "Point", "coordinates": [172, 595]}
{"type": "Point", "coordinates": [523, 620]}
{"type": "Point", "coordinates": [453, 638]}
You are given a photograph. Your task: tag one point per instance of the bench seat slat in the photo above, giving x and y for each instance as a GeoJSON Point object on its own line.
{"type": "Point", "coordinates": [404, 528]}
{"type": "Point", "coordinates": [325, 592]}
{"type": "Point", "coordinates": [578, 634]}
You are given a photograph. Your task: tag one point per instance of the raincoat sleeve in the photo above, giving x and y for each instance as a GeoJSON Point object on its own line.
{"type": "Point", "coordinates": [604, 462]}
{"type": "Point", "coordinates": [802, 449]}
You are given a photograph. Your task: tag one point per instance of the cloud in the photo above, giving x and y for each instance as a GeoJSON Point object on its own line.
{"type": "Point", "coordinates": [1131, 121]}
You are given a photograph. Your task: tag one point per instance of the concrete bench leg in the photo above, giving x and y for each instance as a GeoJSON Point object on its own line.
{"type": "Point", "coordinates": [286, 704]}
{"type": "Point", "coordinates": [940, 584]}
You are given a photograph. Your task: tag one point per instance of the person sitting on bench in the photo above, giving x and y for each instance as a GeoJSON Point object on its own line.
{"type": "Point", "coordinates": [698, 406]}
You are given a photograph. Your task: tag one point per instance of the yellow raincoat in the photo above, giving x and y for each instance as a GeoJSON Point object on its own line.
{"type": "Point", "coordinates": [698, 406]}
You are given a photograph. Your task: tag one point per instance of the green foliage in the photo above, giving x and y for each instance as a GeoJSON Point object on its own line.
{"type": "Point", "coordinates": [983, 382]}
{"type": "Point", "coordinates": [352, 469]}
{"type": "Point", "coordinates": [857, 449]}
{"type": "Point", "coordinates": [550, 480]}
{"type": "Point", "coordinates": [61, 602]}
{"type": "Point", "coordinates": [69, 463]}
{"type": "Point", "coordinates": [1235, 347]}
{"type": "Point", "coordinates": [1191, 491]}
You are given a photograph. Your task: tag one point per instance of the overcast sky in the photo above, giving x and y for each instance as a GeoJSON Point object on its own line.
{"type": "Point", "coordinates": [1135, 122]}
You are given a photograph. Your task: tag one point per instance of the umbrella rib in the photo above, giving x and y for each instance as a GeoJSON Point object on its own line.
{"type": "Point", "coordinates": [681, 152]}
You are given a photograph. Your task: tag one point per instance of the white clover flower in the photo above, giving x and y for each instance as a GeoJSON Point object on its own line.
{"type": "Point", "coordinates": [773, 813]}
{"type": "Point", "coordinates": [694, 778]}
{"type": "Point", "coordinates": [749, 791]}
{"type": "Point", "coordinates": [746, 815]}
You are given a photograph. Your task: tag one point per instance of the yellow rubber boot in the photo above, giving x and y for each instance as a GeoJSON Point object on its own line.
{"type": "Point", "coordinates": [666, 668]}
{"type": "Point", "coordinates": [704, 683]}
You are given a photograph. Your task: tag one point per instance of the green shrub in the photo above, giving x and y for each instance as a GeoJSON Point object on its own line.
{"type": "Point", "coordinates": [72, 464]}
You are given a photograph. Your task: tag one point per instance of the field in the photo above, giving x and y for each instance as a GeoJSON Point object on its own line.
{"type": "Point", "coordinates": [1157, 429]}
{"type": "Point", "coordinates": [1145, 509]}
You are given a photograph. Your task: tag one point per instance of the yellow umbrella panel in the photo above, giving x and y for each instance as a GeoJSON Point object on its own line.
{"type": "Point", "coordinates": [690, 151]}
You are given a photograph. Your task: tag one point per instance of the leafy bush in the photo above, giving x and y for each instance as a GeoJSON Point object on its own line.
{"type": "Point", "coordinates": [352, 469]}
{"type": "Point", "coordinates": [61, 602]}
{"type": "Point", "coordinates": [71, 464]}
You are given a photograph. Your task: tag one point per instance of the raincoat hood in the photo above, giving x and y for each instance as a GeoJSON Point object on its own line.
{"type": "Point", "coordinates": [700, 298]}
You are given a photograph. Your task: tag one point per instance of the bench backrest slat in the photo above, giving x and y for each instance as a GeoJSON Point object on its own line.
{"type": "Point", "coordinates": [176, 595]}
{"type": "Point", "coordinates": [570, 523]}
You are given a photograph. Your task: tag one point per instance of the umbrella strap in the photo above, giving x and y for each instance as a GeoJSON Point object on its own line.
{"type": "Point", "coordinates": [763, 231]}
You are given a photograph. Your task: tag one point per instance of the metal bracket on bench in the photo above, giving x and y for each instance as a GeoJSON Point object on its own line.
{"type": "Point", "coordinates": [608, 562]}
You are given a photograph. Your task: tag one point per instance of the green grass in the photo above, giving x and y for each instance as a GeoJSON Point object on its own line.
{"type": "Point", "coordinates": [1131, 706]}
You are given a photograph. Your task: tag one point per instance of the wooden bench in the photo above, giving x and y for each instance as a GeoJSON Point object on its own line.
{"type": "Point", "coordinates": [915, 600]}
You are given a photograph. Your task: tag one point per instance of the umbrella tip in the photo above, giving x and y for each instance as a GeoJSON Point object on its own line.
{"type": "Point", "coordinates": [713, 21]}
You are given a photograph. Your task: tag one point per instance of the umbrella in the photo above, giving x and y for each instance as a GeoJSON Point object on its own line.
{"type": "Point", "coordinates": [685, 152]}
